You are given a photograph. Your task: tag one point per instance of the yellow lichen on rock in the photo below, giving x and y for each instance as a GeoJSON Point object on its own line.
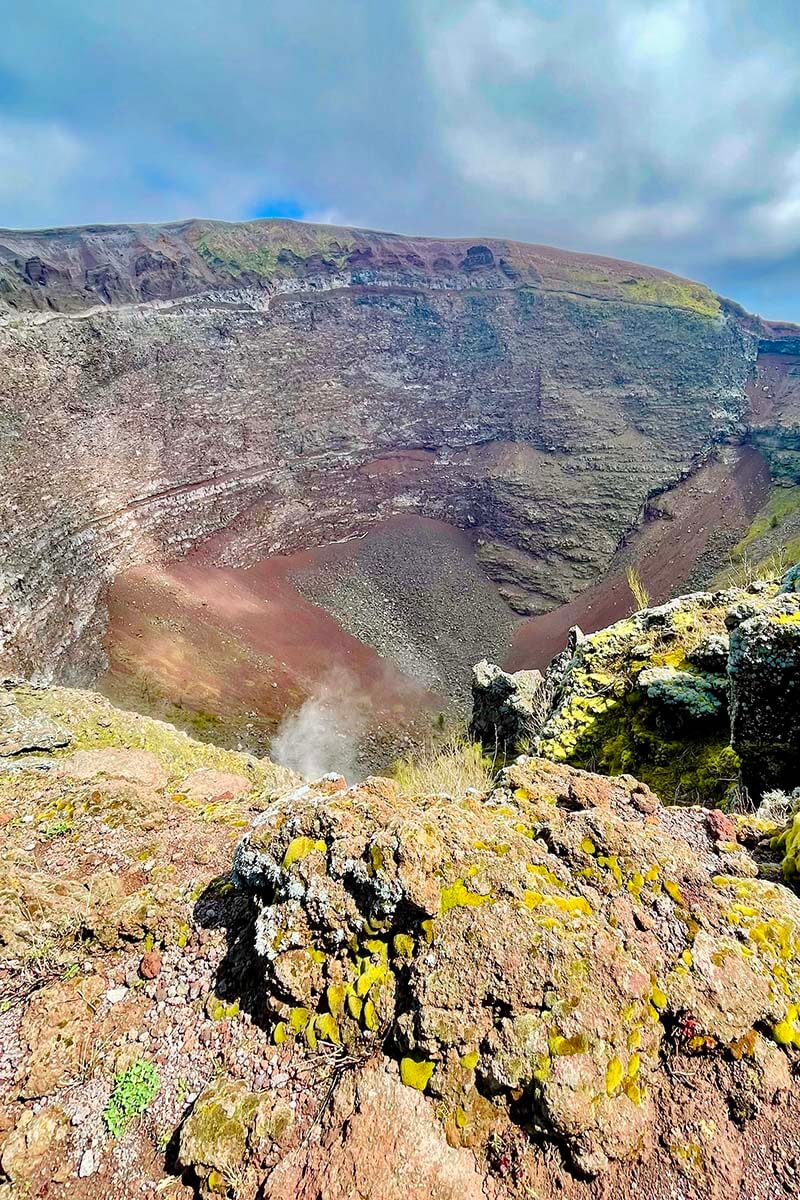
{"type": "Point", "coordinates": [517, 973]}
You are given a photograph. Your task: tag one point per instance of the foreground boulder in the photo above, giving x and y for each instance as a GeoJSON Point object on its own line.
{"type": "Point", "coordinates": [537, 951]}
{"type": "Point", "coordinates": [225, 1131]}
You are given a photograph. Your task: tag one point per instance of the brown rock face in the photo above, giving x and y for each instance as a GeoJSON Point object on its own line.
{"type": "Point", "coordinates": [546, 946]}
{"type": "Point", "coordinates": [292, 385]}
{"type": "Point", "coordinates": [135, 766]}
{"type": "Point", "coordinates": [395, 1149]}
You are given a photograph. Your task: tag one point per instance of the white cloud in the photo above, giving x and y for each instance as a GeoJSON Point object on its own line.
{"type": "Point", "coordinates": [655, 38]}
{"type": "Point", "coordinates": [37, 159]}
{"type": "Point", "coordinates": [663, 130]}
{"type": "Point", "coordinates": [658, 129]}
{"type": "Point", "coordinates": [651, 221]}
{"type": "Point", "coordinates": [778, 219]}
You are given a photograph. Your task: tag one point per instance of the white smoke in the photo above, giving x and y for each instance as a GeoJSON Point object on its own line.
{"type": "Point", "coordinates": [324, 733]}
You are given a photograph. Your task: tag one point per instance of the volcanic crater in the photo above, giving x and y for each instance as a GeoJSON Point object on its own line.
{"type": "Point", "coordinates": [249, 467]}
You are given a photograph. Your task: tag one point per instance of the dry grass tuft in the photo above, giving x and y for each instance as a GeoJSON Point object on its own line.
{"type": "Point", "coordinates": [746, 569]}
{"type": "Point", "coordinates": [641, 596]}
{"type": "Point", "coordinates": [452, 765]}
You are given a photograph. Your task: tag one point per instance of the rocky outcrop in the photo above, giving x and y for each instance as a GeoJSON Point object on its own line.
{"type": "Point", "coordinates": [292, 385]}
{"type": "Point", "coordinates": [536, 950]}
{"type": "Point", "coordinates": [505, 708]}
{"type": "Point", "coordinates": [764, 672]}
{"type": "Point", "coordinates": [696, 696]}
{"type": "Point", "coordinates": [19, 733]}
{"type": "Point", "coordinates": [490, 993]}
{"type": "Point", "coordinates": [225, 1130]}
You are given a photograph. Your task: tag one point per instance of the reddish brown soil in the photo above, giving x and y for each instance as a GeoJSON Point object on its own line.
{"type": "Point", "coordinates": [231, 642]}
{"type": "Point", "coordinates": [399, 463]}
{"type": "Point", "coordinates": [665, 549]}
{"type": "Point", "coordinates": [244, 646]}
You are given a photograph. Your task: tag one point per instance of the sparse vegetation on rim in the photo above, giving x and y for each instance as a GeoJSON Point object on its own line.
{"type": "Point", "coordinates": [640, 594]}
{"type": "Point", "coordinates": [134, 1089]}
{"type": "Point", "coordinates": [452, 764]}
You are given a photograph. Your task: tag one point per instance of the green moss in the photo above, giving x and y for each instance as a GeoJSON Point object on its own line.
{"type": "Point", "coordinates": [666, 291]}
{"type": "Point", "coordinates": [692, 770]}
{"type": "Point", "coordinates": [772, 543]}
{"type": "Point", "coordinates": [782, 502]}
{"type": "Point", "coordinates": [95, 724]}
{"type": "Point", "coordinates": [301, 847]}
{"type": "Point", "coordinates": [219, 1010]}
{"type": "Point", "coordinates": [457, 895]}
{"type": "Point", "coordinates": [570, 905]}
{"type": "Point", "coordinates": [270, 249]}
{"type": "Point", "coordinates": [788, 845]}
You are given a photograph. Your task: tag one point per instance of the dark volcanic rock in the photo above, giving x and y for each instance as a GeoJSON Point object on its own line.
{"type": "Point", "coordinates": [506, 709]}
{"type": "Point", "coordinates": [764, 672]}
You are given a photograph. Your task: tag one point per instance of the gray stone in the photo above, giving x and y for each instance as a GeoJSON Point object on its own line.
{"type": "Point", "coordinates": [791, 580]}
{"type": "Point", "coordinates": [87, 1164]}
{"type": "Point", "coordinates": [681, 698]}
{"type": "Point", "coordinates": [711, 654]}
{"type": "Point", "coordinates": [506, 709]}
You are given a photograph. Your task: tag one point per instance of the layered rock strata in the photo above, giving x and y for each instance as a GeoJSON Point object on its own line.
{"type": "Point", "coordinates": [293, 384]}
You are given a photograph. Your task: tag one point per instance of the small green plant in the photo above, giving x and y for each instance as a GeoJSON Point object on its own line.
{"type": "Point", "coordinates": [57, 828]}
{"type": "Point", "coordinates": [133, 1090]}
{"type": "Point", "coordinates": [641, 596]}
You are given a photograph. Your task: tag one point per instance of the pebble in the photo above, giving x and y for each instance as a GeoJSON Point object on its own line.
{"type": "Point", "coordinates": [114, 995]}
{"type": "Point", "coordinates": [87, 1164]}
{"type": "Point", "coordinates": [150, 965]}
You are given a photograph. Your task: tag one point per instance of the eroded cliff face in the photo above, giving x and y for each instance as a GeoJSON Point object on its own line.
{"type": "Point", "coordinates": [291, 385]}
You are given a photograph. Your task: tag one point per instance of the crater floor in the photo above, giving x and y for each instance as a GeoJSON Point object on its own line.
{"type": "Point", "coordinates": [387, 625]}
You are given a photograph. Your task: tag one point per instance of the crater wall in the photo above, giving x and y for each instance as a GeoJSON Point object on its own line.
{"type": "Point", "coordinates": [291, 385]}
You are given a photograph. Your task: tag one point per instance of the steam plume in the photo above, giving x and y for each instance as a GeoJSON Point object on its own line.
{"type": "Point", "coordinates": [324, 733]}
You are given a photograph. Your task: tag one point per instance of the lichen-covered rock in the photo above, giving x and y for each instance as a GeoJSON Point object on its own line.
{"type": "Point", "coordinates": [640, 696]}
{"type": "Point", "coordinates": [19, 733]}
{"type": "Point", "coordinates": [225, 1128]}
{"type": "Point", "coordinates": [506, 709]}
{"type": "Point", "coordinates": [650, 694]}
{"type": "Point", "coordinates": [710, 654]}
{"type": "Point", "coordinates": [788, 843]}
{"type": "Point", "coordinates": [532, 947]}
{"type": "Point", "coordinates": [764, 672]}
{"type": "Point", "coordinates": [681, 698]}
{"type": "Point", "coordinates": [791, 580]}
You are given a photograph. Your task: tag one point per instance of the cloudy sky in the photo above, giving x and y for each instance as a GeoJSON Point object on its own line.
{"type": "Point", "coordinates": [666, 131]}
